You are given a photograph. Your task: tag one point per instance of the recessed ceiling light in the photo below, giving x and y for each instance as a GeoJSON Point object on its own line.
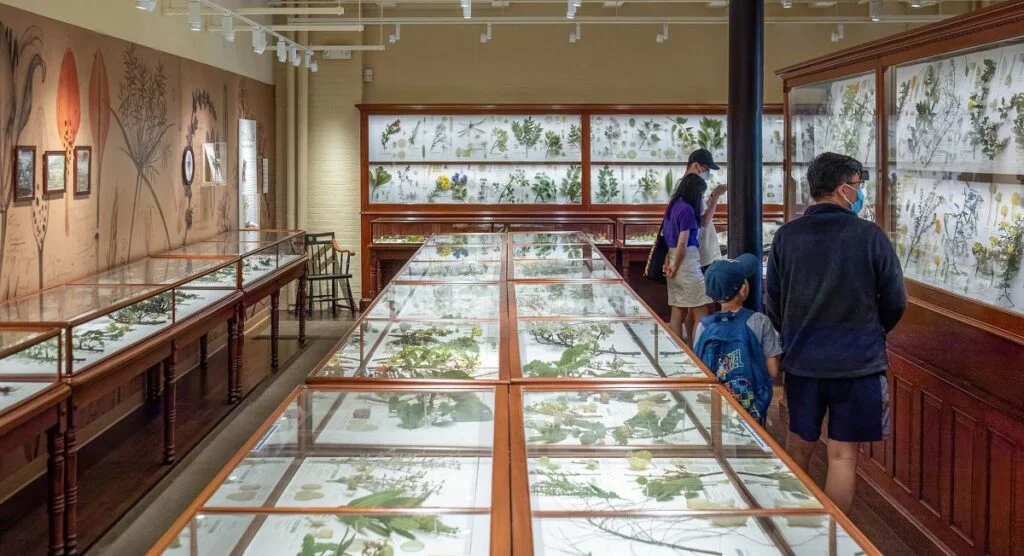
{"type": "Point", "coordinates": [787, 3]}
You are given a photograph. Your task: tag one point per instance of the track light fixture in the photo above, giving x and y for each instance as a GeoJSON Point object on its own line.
{"type": "Point", "coordinates": [915, 3]}
{"type": "Point", "coordinates": [570, 11]}
{"type": "Point", "coordinates": [295, 58]}
{"type": "Point", "coordinates": [838, 34]}
{"type": "Point", "coordinates": [282, 52]}
{"type": "Point", "coordinates": [663, 35]}
{"type": "Point", "coordinates": [314, 67]}
{"type": "Point", "coordinates": [575, 35]}
{"type": "Point", "coordinates": [195, 17]}
{"type": "Point", "coordinates": [259, 40]}
{"type": "Point", "coordinates": [486, 37]}
{"type": "Point", "coordinates": [148, 5]}
{"type": "Point", "coordinates": [309, 58]}
{"type": "Point", "coordinates": [787, 4]}
{"type": "Point", "coordinates": [227, 26]}
{"type": "Point", "coordinates": [467, 8]}
{"type": "Point", "coordinates": [875, 10]}
{"type": "Point", "coordinates": [397, 35]}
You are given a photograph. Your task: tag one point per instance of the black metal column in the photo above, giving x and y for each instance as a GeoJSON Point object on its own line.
{"type": "Point", "coordinates": [746, 97]}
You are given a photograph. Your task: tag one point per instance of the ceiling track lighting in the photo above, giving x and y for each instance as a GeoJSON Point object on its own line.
{"type": "Point", "coordinates": [486, 37]}
{"type": "Point", "coordinates": [314, 67]}
{"type": "Point", "coordinates": [663, 35]}
{"type": "Point", "coordinates": [295, 58]}
{"type": "Point", "coordinates": [787, 4]}
{"type": "Point", "coordinates": [838, 34]}
{"type": "Point", "coordinates": [397, 35]}
{"type": "Point", "coordinates": [575, 35]}
{"type": "Point", "coordinates": [259, 40]}
{"type": "Point", "coordinates": [309, 58]}
{"type": "Point", "coordinates": [467, 8]}
{"type": "Point", "coordinates": [282, 52]}
{"type": "Point", "coordinates": [875, 10]}
{"type": "Point", "coordinates": [195, 16]}
{"type": "Point", "coordinates": [915, 3]}
{"type": "Point", "coordinates": [148, 5]}
{"type": "Point", "coordinates": [227, 26]}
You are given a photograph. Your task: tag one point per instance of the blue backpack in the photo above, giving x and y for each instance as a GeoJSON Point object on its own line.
{"type": "Point", "coordinates": [731, 350]}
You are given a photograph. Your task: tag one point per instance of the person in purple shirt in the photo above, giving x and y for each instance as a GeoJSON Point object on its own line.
{"type": "Point", "coordinates": [682, 265]}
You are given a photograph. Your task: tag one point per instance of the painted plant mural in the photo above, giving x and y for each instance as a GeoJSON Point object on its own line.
{"type": "Point", "coordinates": [69, 118]}
{"type": "Point", "coordinates": [201, 102]}
{"type": "Point", "coordinates": [99, 123]}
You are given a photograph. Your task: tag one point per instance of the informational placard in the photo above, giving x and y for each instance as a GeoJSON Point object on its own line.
{"type": "Point", "coordinates": [248, 170]}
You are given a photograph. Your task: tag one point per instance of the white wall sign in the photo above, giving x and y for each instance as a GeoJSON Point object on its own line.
{"type": "Point", "coordinates": [248, 192]}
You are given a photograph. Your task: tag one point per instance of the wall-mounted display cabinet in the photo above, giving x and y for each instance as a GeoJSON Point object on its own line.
{"type": "Point", "coordinates": [937, 116]}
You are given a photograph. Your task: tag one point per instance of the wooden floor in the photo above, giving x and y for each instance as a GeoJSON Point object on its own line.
{"type": "Point", "coordinates": [122, 464]}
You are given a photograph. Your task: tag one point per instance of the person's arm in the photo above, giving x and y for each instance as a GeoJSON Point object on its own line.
{"type": "Point", "coordinates": [892, 295]}
{"type": "Point", "coordinates": [773, 287]}
{"type": "Point", "coordinates": [773, 366]}
{"type": "Point", "coordinates": [673, 265]}
{"type": "Point", "coordinates": [712, 204]}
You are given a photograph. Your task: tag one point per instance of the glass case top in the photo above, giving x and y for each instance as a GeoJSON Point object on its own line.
{"type": "Point", "coordinates": [228, 249]}
{"type": "Point", "coordinates": [447, 252]}
{"type": "Point", "coordinates": [340, 534]}
{"type": "Point", "coordinates": [595, 269]}
{"type": "Point", "coordinates": [15, 339]}
{"type": "Point", "coordinates": [254, 236]}
{"type": "Point", "coordinates": [577, 300]}
{"type": "Point", "coordinates": [35, 356]}
{"type": "Point", "coordinates": [463, 271]}
{"type": "Point", "coordinates": [549, 237]}
{"type": "Point", "coordinates": [602, 349]}
{"type": "Point", "coordinates": [64, 304]}
{"type": "Point", "coordinates": [417, 350]}
{"type": "Point", "coordinates": [466, 239]}
{"type": "Point", "coordinates": [385, 421]}
{"type": "Point", "coordinates": [437, 301]}
{"type": "Point", "coordinates": [565, 251]}
{"type": "Point", "coordinates": [154, 271]}
{"type": "Point", "coordinates": [14, 393]}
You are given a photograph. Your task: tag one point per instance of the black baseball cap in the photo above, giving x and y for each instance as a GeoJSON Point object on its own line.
{"type": "Point", "coordinates": [702, 157]}
{"type": "Point", "coordinates": [725, 277]}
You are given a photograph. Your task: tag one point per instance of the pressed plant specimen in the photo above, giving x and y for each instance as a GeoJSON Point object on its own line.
{"type": "Point", "coordinates": [648, 133]}
{"type": "Point", "coordinates": [710, 135]}
{"type": "Point", "coordinates": [96, 340]}
{"type": "Point", "coordinates": [571, 417]}
{"type": "Point", "coordinates": [414, 136]}
{"type": "Point", "coordinates": [471, 130]}
{"type": "Point", "coordinates": [553, 144]}
{"type": "Point", "coordinates": [923, 215]}
{"type": "Point", "coordinates": [572, 186]}
{"type": "Point", "coordinates": [543, 188]}
{"type": "Point", "coordinates": [527, 133]}
{"type": "Point", "coordinates": [934, 115]}
{"type": "Point", "coordinates": [499, 140]}
{"type": "Point", "coordinates": [389, 130]}
{"type": "Point", "coordinates": [607, 185]}
{"type": "Point", "coordinates": [552, 481]}
{"type": "Point", "coordinates": [516, 183]}
{"type": "Point", "coordinates": [647, 186]}
{"type": "Point", "coordinates": [379, 176]}
{"type": "Point", "coordinates": [141, 116]}
{"type": "Point", "coordinates": [434, 409]}
{"type": "Point", "coordinates": [575, 138]}
{"type": "Point", "coordinates": [458, 186]}
{"type": "Point", "coordinates": [440, 137]}
{"type": "Point", "coordinates": [984, 131]}
{"type": "Point", "coordinates": [682, 132]}
{"type": "Point", "coordinates": [845, 128]}
{"type": "Point", "coordinates": [961, 226]}
{"type": "Point", "coordinates": [1009, 247]}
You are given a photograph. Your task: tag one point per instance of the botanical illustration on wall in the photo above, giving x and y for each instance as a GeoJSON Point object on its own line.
{"type": "Point", "coordinates": [94, 129]}
{"type": "Point", "coordinates": [955, 154]}
{"type": "Point", "coordinates": [656, 138]}
{"type": "Point", "coordinates": [476, 183]}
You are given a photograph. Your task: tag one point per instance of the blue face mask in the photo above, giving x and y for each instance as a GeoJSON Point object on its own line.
{"type": "Point", "coordinates": [858, 204]}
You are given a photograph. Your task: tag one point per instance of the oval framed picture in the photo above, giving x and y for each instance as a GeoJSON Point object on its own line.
{"type": "Point", "coordinates": [188, 165]}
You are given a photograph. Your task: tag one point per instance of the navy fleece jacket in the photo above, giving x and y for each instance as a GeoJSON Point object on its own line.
{"type": "Point", "coordinates": [834, 290]}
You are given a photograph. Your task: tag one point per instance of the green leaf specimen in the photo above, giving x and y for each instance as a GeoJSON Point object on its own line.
{"type": "Point", "coordinates": [607, 185]}
{"type": "Point", "coordinates": [984, 131]}
{"type": "Point", "coordinates": [647, 186]}
{"type": "Point", "coordinates": [527, 133]}
{"type": "Point", "coordinates": [575, 136]}
{"type": "Point", "coordinates": [553, 143]}
{"type": "Point", "coordinates": [543, 188]}
{"type": "Point", "coordinates": [572, 186]}
{"type": "Point", "coordinates": [499, 139]}
{"type": "Point", "coordinates": [380, 177]}
{"type": "Point", "coordinates": [711, 135]}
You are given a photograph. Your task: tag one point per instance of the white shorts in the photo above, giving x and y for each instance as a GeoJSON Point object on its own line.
{"type": "Point", "coordinates": [686, 287]}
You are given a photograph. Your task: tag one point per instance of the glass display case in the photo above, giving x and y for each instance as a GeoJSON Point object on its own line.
{"type": "Point", "coordinates": [956, 146]}
{"type": "Point", "coordinates": [257, 259]}
{"type": "Point", "coordinates": [600, 231]}
{"type": "Point", "coordinates": [257, 235]}
{"type": "Point", "coordinates": [597, 299]}
{"type": "Point", "coordinates": [437, 302]}
{"type": "Point", "coordinates": [474, 159]}
{"type": "Point", "coordinates": [663, 471]}
{"type": "Point", "coordinates": [639, 232]}
{"type": "Point", "coordinates": [421, 464]}
{"type": "Point", "coordinates": [834, 116]}
{"type": "Point", "coordinates": [30, 363]}
{"type": "Point", "coordinates": [99, 321]}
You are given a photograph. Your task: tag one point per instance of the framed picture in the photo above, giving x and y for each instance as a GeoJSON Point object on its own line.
{"type": "Point", "coordinates": [215, 159]}
{"type": "Point", "coordinates": [188, 165]}
{"type": "Point", "coordinates": [24, 173]}
{"type": "Point", "coordinates": [83, 170]}
{"type": "Point", "coordinates": [54, 171]}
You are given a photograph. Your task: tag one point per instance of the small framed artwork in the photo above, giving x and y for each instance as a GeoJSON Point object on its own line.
{"type": "Point", "coordinates": [83, 170]}
{"type": "Point", "coordinates": [188, 165]}
{"type": "Point", "coordinates": [215, 163]}
{"type": "Point", "coordinates": [54, 171]}
{"type": "Point", "coordinates": [24, 173]}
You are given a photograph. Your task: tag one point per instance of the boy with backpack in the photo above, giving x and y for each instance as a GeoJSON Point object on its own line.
{"type": "Point", "coordinates": [739, 345]}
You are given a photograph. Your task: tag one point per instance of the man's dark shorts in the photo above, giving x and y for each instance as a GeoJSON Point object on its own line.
{"type": "Point", "coordinates": [858, 408]}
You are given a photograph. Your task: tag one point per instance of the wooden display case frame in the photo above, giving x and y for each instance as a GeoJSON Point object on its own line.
{"type": "Point", "coordinates": [955, 391]}
{"type": "Point", "coordinates": [499, 511]}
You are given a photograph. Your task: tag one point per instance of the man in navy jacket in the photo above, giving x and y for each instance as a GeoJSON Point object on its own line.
{"type": "Point", "coordinates": [834, 290]}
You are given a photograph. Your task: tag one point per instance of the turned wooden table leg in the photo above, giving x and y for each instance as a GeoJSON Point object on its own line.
{"type": "Point", "coordinates": [302, 313]}
{"type": "Point", "coordinates": [71, 481]}
{"type": "Point", "coordinates": [275, 327]}
{"type": "Point", "coordinates": [55, 482]}
{"type": "Point", "coordinates": [232, 357]}
{"type": "Point", "coordinates": [241, 351]}
{"type": "Point", "coordinates": [204, 350]}
{"type": "Point", "coordinates": [170, 400]}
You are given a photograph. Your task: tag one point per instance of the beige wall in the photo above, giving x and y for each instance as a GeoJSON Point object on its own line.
{"type": "Point", "coordinates": [120, 19]}
{"type": "Point", "coordinates": [611, 64]}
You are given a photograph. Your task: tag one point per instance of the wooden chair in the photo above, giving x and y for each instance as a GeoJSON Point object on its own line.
{"type": "Point", "coordinates": [327, 267]}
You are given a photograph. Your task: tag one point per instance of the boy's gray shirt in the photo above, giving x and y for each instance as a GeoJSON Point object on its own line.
{"type": "Point", "coordinates": [762, 328]}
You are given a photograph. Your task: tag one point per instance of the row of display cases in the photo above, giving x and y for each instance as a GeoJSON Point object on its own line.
{"type": "Point", "coordinates": [506, 412]}
{"type": "Point", "coordinates": [587, 155]}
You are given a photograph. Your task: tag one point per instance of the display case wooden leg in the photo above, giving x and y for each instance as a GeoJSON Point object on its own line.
{"type": "Point", "coordinates": [232, 357]}
{"type": "Point", "coordinates": [241, 351]}
{"type": "Point", "coordinates": [55, 482]}
{"type": "Point", "coordinates": [170, 401]}
{"type": "Point", "coordinates": [204, 350]}
{"type": "Point", "coordinates": [275, 328]}
{"type": "Point", "coordinates": [302, 314]}
{"type": "Point", "coordinates": [71, 482]}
